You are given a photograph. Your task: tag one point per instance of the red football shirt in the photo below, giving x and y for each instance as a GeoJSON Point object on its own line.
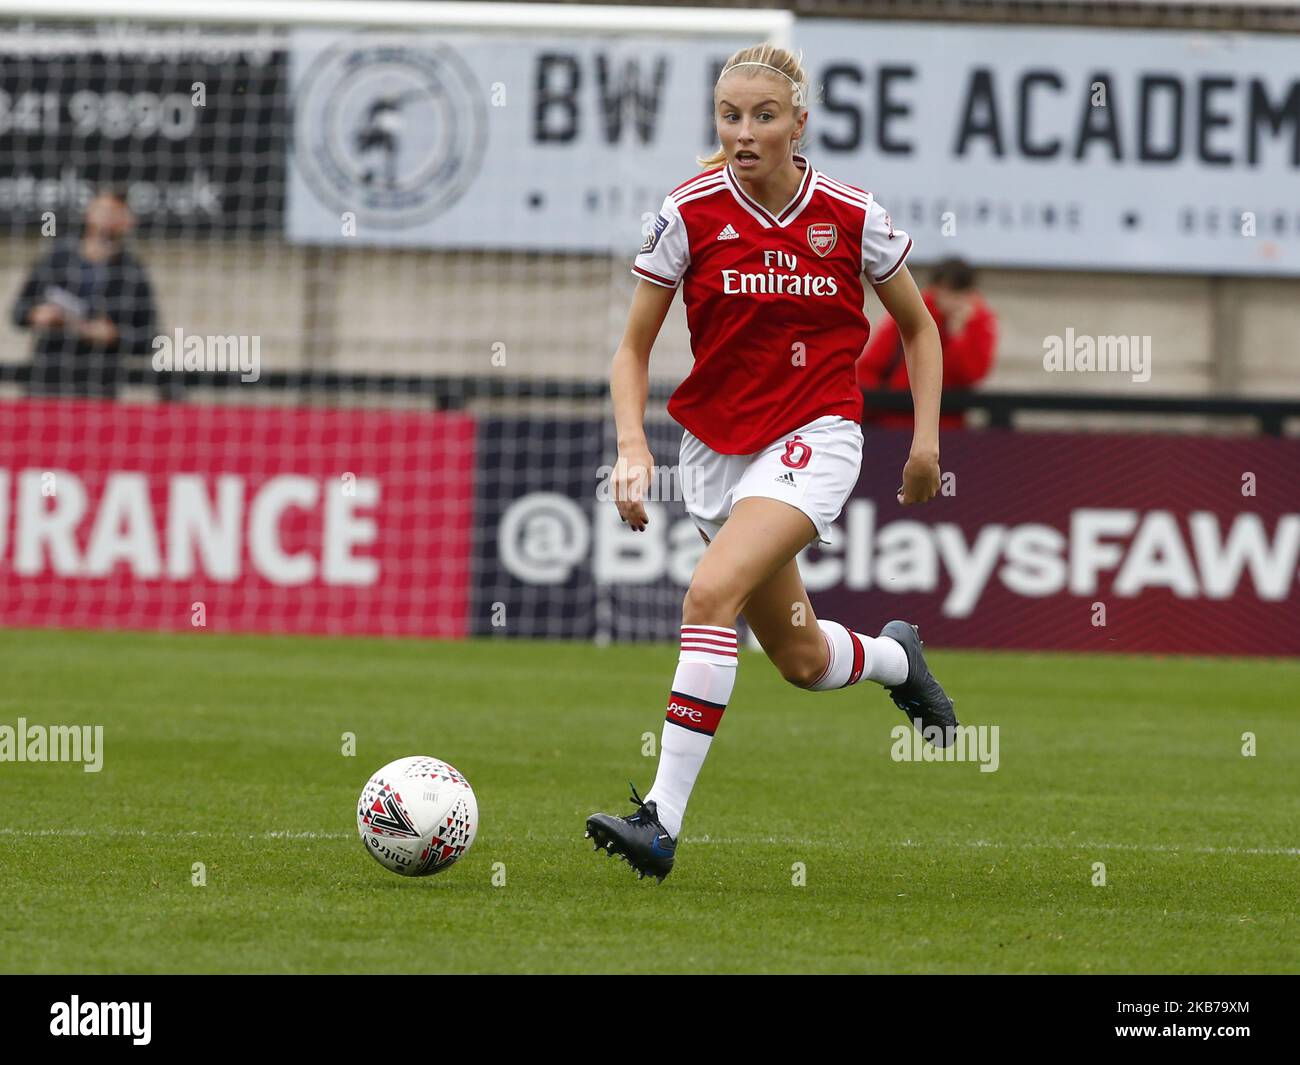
{"type": "Point", "coordinates": [773, 301]}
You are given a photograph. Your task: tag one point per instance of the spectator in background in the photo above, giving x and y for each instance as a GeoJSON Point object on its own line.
{"type": "Point", "coordinates": [967, 332]}
{"type": "Point", "coordinates": [89, 304]}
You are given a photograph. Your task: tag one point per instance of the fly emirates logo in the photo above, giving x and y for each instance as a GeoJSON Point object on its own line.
{"type": "Point", "coordinates": [780, 277]}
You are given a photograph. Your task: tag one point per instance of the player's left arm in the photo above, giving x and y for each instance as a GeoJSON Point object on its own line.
{"type": "Point", "coordinates": [924, 355]}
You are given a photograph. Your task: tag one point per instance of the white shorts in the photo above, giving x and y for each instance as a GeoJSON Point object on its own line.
{"type": "Point", "coordinates": [815, 473]}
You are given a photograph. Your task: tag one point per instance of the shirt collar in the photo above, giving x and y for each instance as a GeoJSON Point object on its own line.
{"type": "Point", "coordinates": [788, 213]}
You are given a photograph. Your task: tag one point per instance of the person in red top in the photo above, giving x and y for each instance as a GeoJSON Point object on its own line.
{"type": "Point", "coordinates": [770, 254]}
{"type": "Point", "coordinates": [968, 332]}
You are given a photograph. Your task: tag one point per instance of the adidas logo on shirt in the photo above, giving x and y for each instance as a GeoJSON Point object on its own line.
{"type": "Point", "coordinates": [786, 478]}
{"type": "Point", "coordinates": [728, 233]}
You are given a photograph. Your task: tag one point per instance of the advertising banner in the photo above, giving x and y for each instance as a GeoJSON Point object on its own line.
{"type": "Point", "coordinates": [235, 519]}
{"type": "Point", "coordinates": [1029, 146]}
{"type": "Point", "coordinates": [1120, 543]}
{"type": "Point", "coordinates": [190, 126]}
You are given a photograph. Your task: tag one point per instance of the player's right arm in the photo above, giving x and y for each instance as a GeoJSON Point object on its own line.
{"type": "Point", "coordinates": [629, 385]}
{"type": "Point", "coordinates": [884, 250]}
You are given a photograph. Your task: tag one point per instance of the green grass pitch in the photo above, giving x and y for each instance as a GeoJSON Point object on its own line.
{"type": "Point", "coordinates": [227, 751]}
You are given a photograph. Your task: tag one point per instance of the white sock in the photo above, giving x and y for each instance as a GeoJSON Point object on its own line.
{"type": "Point", "coordinates": [855, 657]}
{"type": "Point", "coordinates": [706, 673]}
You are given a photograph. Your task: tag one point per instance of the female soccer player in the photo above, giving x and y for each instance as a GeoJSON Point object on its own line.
{"type": "Point", "coordinates": [771, 254]}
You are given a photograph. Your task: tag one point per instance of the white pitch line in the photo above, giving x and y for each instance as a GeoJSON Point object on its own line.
{"type": "Point", "coordinates": [143, 833]}
{"type": "Point", "coordinates": [1159, 848]}
{"type": "Point", "coordinates": [787, 841]}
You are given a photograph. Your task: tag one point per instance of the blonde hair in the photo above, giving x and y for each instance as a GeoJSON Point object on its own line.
{"type": "Point", "coordinates": [752, 61]}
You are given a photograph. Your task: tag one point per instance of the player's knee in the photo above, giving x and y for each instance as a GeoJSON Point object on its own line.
{"type": "Point", "coordinates": [709, 602]}
{"type": "Point", "coordinates": [802, 672]}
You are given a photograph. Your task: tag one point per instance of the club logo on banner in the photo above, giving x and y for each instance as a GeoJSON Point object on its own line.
{"type": "Point", "coordinates": [394, 133]}
{"type": "Point", "coordinates": [1097, 149]}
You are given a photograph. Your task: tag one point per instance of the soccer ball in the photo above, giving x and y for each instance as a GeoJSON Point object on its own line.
{"type": "Point", "coordinates": [417, 816]}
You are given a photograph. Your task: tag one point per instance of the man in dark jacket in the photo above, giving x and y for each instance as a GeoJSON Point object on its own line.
{"type": "Point", "coordinates": [88, 304]}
